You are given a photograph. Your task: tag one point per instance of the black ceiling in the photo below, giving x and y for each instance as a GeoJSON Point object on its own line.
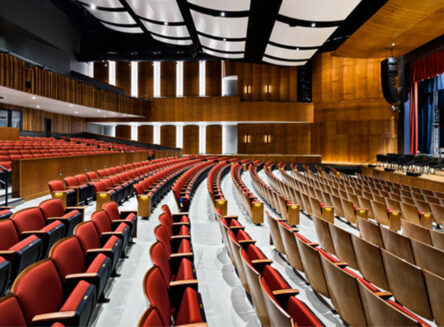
{"type": "Point", "coordinates": [101, 43]}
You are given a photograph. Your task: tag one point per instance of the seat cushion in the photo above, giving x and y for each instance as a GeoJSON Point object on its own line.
{"type": "Point", "coordinates": [185, 270]}
{"type": "Point", "coordinates": [408, 313]}
{"type": "Point", "coordinates": [274, 279]}
{"type": "Point", "coordinates": [189, 308]}
{"type": "Point", "coordinates": [254, 253]}
{"type": "Point", "coordinates": [302, 238]}
{"type": "Point", "coordinates": [97, 263]}
{"type": "Point", "coordinates": [11, 314]}
{"type": "Point", "coordinates": [71, 214]}
{"type": "Point", "coordinates": [24, 243]}
{"type": "Point", "coordinates": [52, 226]}
{"type": "Point", "coordinates": [111, 243]}
{"type": "Point", "coordinates": [76, 296]}
{"type": "Point", "coordinates": [184, 247]}
{"type": "Point", "coordinates": [184, 231]}
{"type": "Point", "coordinates": [301, 314]}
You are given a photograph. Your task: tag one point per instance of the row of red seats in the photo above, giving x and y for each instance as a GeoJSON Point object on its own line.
{"type": "Point", "coordinates": [109, 145]}
{"type": "Point", "coordinates": [186, 185]}
{"type": "Point", "coordinates": [28, 234]}
{"type": "Point", "coordinates": [275, 301]}
{"type": "Point", "coordinates": [171, 284]}
{"type": "Point", "coordinates": [214, 180]}
{"type": "Point", "coordinates": [64, 288]}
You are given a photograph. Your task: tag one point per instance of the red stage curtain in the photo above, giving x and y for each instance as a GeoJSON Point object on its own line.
{"type": "Point", "coordinates": [421, 70]}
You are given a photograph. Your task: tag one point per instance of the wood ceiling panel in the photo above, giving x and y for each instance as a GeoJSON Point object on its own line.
{"type": "Point", "coordinates": [407, 23]}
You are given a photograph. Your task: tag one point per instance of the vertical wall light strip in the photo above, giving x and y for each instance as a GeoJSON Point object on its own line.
{"type": "Point", "coordinates": [179, 79]}
{"type": "Point", "coordinates": [179, 135]}
{"type": "Point", "coordinates": [112, 73]}
{"type": "Point", "coordinates": [90, 69]}
{"type": "Point", "coordinates": [156, 136]}
{"type": "Point", "coordinates": [202, 76]}
{"type": "Point", "coordinates": [156, 66]}
{"type": "Point", "coordinates": [202, 138]}
{"type": "Point", "coordinates": [134, 79]}
{"type": "Point", "coordinates": [134, 131]}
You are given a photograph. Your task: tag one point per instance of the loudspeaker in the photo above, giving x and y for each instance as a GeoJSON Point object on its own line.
{"type": "Point", "coordinates": [389, 72]}
{"type": "Point", "coordinates": [304, 83]}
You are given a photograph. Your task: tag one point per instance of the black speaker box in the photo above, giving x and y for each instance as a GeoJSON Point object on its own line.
{"type": "Point", "coordinates": [389, 72]}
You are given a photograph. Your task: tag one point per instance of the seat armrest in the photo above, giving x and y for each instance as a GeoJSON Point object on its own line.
{"type": "Point", "coordinates": [99, 250]}
{"type": "Point", "coordinates": [7, 207]}
{"type": "Point", "coordinates": [246, 241]}
{"type": "Point", "coordinates": [53, 316]}
{"type": "Point", "coordinates": [55, 218]}
{"type": "Point", "coordinates": [81, 276]}
{"type": "Point", "coordinates": [261, 261]}
{"type": "Point", "coordinates": [33, 232]}
{"type": "Point", "coordinates": [186, 282]}
{"type": "Point", "coordinates": [180, 214]}
{"type": "Point", "coordinates": [121, 221]}
{"type": "Point", "coordinates": [181, 255]}
{"type": "Point", "coordinates": [285, 291]}
{"type": "Point", "coordinates": [384, 295]}
{"type": "Point", "coordinates": [185, 223]}
{"type": "Point", "coordinates": [179, 237]}
{"type": "Point", "coordinates": [341, 264]}
{"type": "Point", "coordinates": [313, 244]}
{"type": "Point", "coordinates": [194, 324]}
{"type": "Point", "coordinates": [119, 234]}
{"type": "Point", "coordinates": [7, 254]}
{"type": "Point", "coordinates": [236, 227]}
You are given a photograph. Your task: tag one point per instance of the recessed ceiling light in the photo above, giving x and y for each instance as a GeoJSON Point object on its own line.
{"type": "Point", "coordinates": [93, 6]}
{"type": "Point", "coordinates": [313, 24]}
{"type": "Point", "coordinates": [224, 39]}
{"type": "Point", "coordinates": [76, 112]}
{"type": "Point", "coordinates": [33, 98]}
{"type": "Point", "coordinates": [222, 13]}
{"type": "Point", "coordinates": [104, 116]}
{"type": "Point", "coordinates": [99, 110]}
{"type": "Point", "coordinates": [166, 23]}
{"type": "Point", "coordinates": [393, 44]}
{"type": "Point", "coordinates": [37, 106]}
{"type": "Point", "coordinates": [71, 105]}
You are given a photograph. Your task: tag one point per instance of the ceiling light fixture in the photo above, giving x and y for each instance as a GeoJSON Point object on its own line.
{"type": "Point", "coordinates": [71, 105]}
{"type": "Point", "coordinates": [313, 24]}
{"type": "Point", "coordinates": [76, 112]}
{"type": "Point", "coordinates": [393, 44]}
{"type": "Point", "coordinates": [33, 98]}
{"type": "Point", "coordinates": [166, 23]}
{"type": "Point", "coordinates": [222, 13]}
{"type": "Point", "coordinates": [93, 6]}
{"type": "Point", "coordinates": [37, 106]}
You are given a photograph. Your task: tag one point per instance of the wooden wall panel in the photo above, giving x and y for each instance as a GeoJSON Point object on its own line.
{"type": "Point", "coordinates": [191, 78]}
{"type": "Point", "coordinates": [282, 81]}
{"type": "Point", "coordinates": [353, 122]}
{"type": "Point", "coordinates": [285, 138]}
{"type": "Point", "coordinates": [123, 132]}
{"type": "Point", "coordinates": [123, 76]}
{"type": "Point", "coordinates": [145, 134]}
{"type": "Point", "coordinates": [213, 78]}
{"type": "Point", "coordinates": [191, 139]}
{"type": "Point", "coordinates": [168, 135]}
{"type": "Point", "coordinates": [14, 73]}
{"type": "Point", "coordinates": [168, 79]}
{"type": "Point", "coordinates": [145, 79]}
{"type": "Point", "coordinates": [34, 120]}
{"type": "Point", "coordinates": [214, 139]}
{"type": "Point", "coordinates": [101, 71]}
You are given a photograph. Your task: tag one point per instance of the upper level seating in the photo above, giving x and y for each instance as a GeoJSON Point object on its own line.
{"type": "Point", "coordinates": [108, 145]}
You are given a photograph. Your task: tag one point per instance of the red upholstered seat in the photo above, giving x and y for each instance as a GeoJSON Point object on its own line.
{"type": "Point", "coordinates": [10, 312]}
{"type": "Point", "coordinates": [31, 221]}
{"type": "Point", "coordinates": [84, 188]}
{"type": "Point", "coordinates": [188, 306]}
{"type": "Point", "coordinates": [89, 239]}
{"type": "Point", "coordinates": [130, 217]}
{"type": "Point", "coordinates": [5, 274]}
{"type": "Point", "coordinates": [176, 245]}
{"type": "Point", "coordinates": [106, 227]}
{"type": "Point", "coordinates": [69, 259]}
{"type": "Point", "coordinates": [301, 314]}
{"type": "Point", "coordinates": [58, 186]}
{"type": "Point", "coordinates": [151, 318]}
{"type": "Point", "coordinates": [39, 290]}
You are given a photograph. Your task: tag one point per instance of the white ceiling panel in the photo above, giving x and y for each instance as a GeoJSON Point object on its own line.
{"type": "Point", "coordinates": [133, 30]}
{"type": "Point", "coordinates": [318, 10]}
{"type": "Point", "coordinates": [223, 5]}
{"type": "Point", "coordinates": [283, 63]}
{"type": "Point", "coordinates": [222, 45]}
{"type": "Point", "coordinates": [223, 55]}
{"type": "Point", "coordinates": [226, 27]}
{"type": "Point", "coordinates": [103, 3]}
{"type": "Point", "coordinates": [283, 53]}
{"type": "Point", "coordinates": [167, 30]}
{"type": "Point", "coordinates": [116, 17]}
{"type": "Point", "coordinates": [171, 41]}
{"type": "Point", "coordinates": [158, 10]}
{"type": "Point", "coordinates": [300, 36]}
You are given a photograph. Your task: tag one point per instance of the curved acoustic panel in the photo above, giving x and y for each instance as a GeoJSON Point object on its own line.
{"type": "Point", "coordinates": [283, 63]}
{"type": "Point", "coordinates": [230, 46]}
{"type": "Point", "coordinates": [291, 54]}
{"type": "Point", "coordinates": [167, 30]}
{"type": "Point", "coordinates": [218, 26]}
{"type": "Point", "coordinates": [103, 3]}
{"type": "Point", "coordinates": [172, 41]}
{"type": "Point", "coordinates": [223, 55]}
{"type": "Point", "coordinates": [132, 30]}
{"type": "Point", "coordinates": [223, 5]}
{"type": "Point", "coordinates": [157, 10]}
{"type": "Point", "coordinates": [318, 10]}
{"type": "Point", "coordinates": [114, 17]}
{"type": "Point", "coordinates": [300, 36]}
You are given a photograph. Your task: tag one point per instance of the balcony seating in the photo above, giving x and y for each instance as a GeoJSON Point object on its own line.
{"type": "Point", "coordinates": [30, 221]}
{"type": "Point", "coordinates": [21, 253]}
{"type": "Point", "coordinates": [53, 209]}
{"type": "Point", "coordinates": [58, 190]}
{"type": "Point", "coordinates": [68, 257]}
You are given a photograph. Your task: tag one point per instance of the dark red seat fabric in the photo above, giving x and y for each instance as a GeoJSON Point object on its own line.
{"type": "Point", "coordinates": [151, 318]}
{"type": "Point", "coordinates": [10, 312]}
{"type": "Point", "coordinates": [83, 189]}
{"type": "Point", "coordinates": [71, 194]}
{"type": "Point", "coordinates": [173, 228]}
{"type": "Point", "coordinates": [5, 213]}
{"type": "Point", "coordinates": [5, 274]}
{"type": "Point", "coordinates": [106, 227]}
{"type": "Point", "coordinates": [172, 270]}
{"type": "Point", "coordinates": [40, 290]}
{"type": "Point", "coordinates": [128, 216]}
{"type": "Point", "coordinates": [53, 208]}
{"type": "Point", "coordinates": [89, 239]}
{"type": "Point", "coordinates": [186, 306]}
{"type": "Point", "coordinates": [92, 176]}
{"type": "Point", "coordinates": [100, 187]}
{"type": "Point", "coordinates": [69, 259]}
{"type": "Point", "coordinates": [31, 221]}
{"type": "Point", "coordinates": [180, 244]}
{"type": "Point", "coordinates": [21, 253]}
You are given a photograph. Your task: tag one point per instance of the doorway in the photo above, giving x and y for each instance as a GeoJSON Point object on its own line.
{"type": "Point", "coordinates": [47, 127]}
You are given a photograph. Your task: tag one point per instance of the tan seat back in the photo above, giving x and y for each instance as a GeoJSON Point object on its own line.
{"type": "Point", "coordinates": [343, 245]}
{"type": "Point", "coordinates": [416, 232]}
{"type": "Point", "coordinates": [397, 244]}
{"type": "Point", "coordinates": [370, 232]}
{"type": "Point", "coordinates": [428, 257]}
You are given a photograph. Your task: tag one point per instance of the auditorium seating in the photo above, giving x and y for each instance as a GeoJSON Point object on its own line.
{"type": "Point", "coordinates": [124, 216]}
{"type": "Point", "coordinates": [214, 185]}
{"type": "Point", "coordinates": [106, 227]}
{"type": "Point", "coordinates": [84, 189]}
{"type": "Point", "coordinates": [5, 274]}
{"type": "Point", "coordinates": [53, 210]}
{"type": "Point", "coordinates": [69, 195]}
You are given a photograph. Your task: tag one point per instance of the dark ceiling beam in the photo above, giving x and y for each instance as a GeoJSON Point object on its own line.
{"type": "Point", "coordinates": [186, 14]}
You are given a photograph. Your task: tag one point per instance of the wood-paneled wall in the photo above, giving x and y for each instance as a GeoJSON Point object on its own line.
{"type": "Point", "coordinates": [190, 139]}
{"type": "Point", "coordinates": [353, 122]}
{"type": "Point", "coordinates": [123, 132]}
{"type": "Point", "coordinates": [145, 134]}
{"type": "Point", "coordinates": [101, 71]}
{"type": "Point", "coordinates": [168, 78]}
{"type": "Point", "coordinates": [282, 81]}
{"type": "Point", "coordinates": [284, 138]}
{"type": "Point", "coordinates": [34, 121]}
{"type": "Point", "coordinates": [168, 135]}
{"type": "Point", "coordinates": [15, 73]}
{"type": "Point", "coordinates": [213, 78]}
{"type": "Point", "coordinates": [191, 78]}
{"type": "Point", "coordinates": [145, 79]}
{"type": "Point", "coordinates": [123, 76]}
{"type": "Point", "coordinates": [213, 139]}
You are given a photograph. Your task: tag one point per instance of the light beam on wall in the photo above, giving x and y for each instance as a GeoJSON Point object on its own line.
{"type": "Point", "coordinates": [134, 79]}
{"type": "Point", "coordinates": [156, 72]}
{"type": "Point", "coordinates": [202, 76]}
{"type": "Point", "coordinates": [112, 73]}
{"type": "Point", "coordinates": [179, 79]}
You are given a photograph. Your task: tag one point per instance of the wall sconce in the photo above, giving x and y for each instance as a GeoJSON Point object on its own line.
{"type": "Point", "coordinates": [268, 88]}
{"type": "Point", "coordinates": [267, 138]}
{"type": "Point", "coordinates": [247, 89]}
{"type": "Point", "coordinates": [247, 138]}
